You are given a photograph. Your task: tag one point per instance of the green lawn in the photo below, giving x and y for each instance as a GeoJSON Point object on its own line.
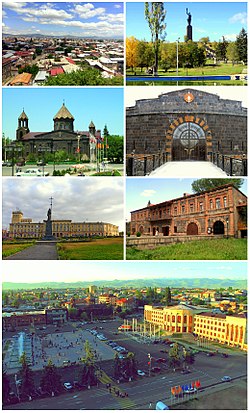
{"type": "Point", "coordinates": [216, 249]}
{"type": "Point", "coordinates": [100, 249]}
{"type": "Point", "coordinates": [222, 69]}
{"type": "Point", "coordinates": [10, 249]}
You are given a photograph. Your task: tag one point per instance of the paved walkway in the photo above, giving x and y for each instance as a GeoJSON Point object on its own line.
{"type": "Point", "coordinates": [39, 251]}
{"type": "Point", "coordinates": [189, 170]}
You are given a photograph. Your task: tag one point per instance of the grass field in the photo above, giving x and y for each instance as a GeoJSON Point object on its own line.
{"type": "Point", "coordinates": [100, 249]}
{"type": "Point", "coordinates": [216, 249]}
{"type": "Point", "coordinates": [10, 249]}
{"type": "Point", "coordinates": [222, 69]}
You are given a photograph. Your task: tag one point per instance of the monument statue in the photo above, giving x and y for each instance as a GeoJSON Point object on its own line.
{"type": "Point", "coordinates": [189, 35]}
{"type": "Point", "coordinates": [49, 214]}
{"type": "Point", "coordinates": [189, 17]}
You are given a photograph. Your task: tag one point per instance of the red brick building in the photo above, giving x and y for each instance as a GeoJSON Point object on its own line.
{"type": "Point", "coordinates": [220, 211]}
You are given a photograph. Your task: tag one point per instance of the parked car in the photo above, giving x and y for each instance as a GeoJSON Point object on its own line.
{"type": "Point", "coordinates": [226, 378]}
{"type": "Point", "coordinates": [156, 369]}
{"type": "Point", "coordinates": [191, 390]}
{"type": "Point", "coordinates": [41, 163]}
{"type": "Point", "coordinates": [67, 386]}
{"type": "Point", "coordinates": [6, 163]}
{"type": "Point", "coordinates": [32, 172]}
{"type": "Point", "coordinates": [185, 371]}
{"type": "Point", "coordinates": [161, 360]}
{"type": "Point", "coordinates": [141, 373]}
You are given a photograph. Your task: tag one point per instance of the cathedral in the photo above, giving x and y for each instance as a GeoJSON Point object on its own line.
{"type": "Point", "coordinates": [63, 137]}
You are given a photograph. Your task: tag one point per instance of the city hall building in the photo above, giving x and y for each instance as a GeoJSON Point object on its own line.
{"type": "Point", "coordinates": [21, 227]}
{"type": "Point", "coordinates": [226, 329]}
{"type": "Point", "coordinates": [184, 125]}
{"type": "Point", "coordinates": [220, 211]}
{"type": "Point", "coordinates": [63, 137]}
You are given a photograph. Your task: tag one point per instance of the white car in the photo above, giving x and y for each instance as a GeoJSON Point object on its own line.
{"type": "Point", "coordinates": [32, 172]}
{"type": "Point", "coordinates": [68, 386]}
{"type": "Point", "coordinates": [226, 378]}
{"type": "Point", "coordinates": [140, 373]}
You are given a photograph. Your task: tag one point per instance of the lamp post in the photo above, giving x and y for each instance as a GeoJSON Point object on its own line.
{"type": "Point", "coordinates": [13, 149]}
{"type": "Point", "coordinates": [227, 221]}
{"type": "Point", "coordinates": [149, 364]}
{"type": "Point", "coordinates": [177, 55]}
{"type": "Point", "coordinates": [78, 148]}
{"type": "Point", "coordinates": [42, 151]}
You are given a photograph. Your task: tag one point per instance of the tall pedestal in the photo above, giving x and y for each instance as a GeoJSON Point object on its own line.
{"type": "Point", "coordinates": [189, 32]}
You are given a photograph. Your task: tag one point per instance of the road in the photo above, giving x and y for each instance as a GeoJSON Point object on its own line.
{"type": "Point", "coordinates": [7, 170]}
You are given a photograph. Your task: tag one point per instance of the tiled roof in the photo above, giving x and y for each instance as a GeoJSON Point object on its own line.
{"type": "Point", "coordinates": [63, 113]}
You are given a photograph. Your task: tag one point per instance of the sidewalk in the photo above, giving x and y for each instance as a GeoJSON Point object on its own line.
{"type": "Point", "coordinates": [39, 251]}
{"type": "Point", "coordinates": [189, 170]}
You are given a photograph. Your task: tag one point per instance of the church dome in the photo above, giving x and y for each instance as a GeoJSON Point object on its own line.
{"type": "Point", "coordinates": [23, 116]}
{"type": "Point", "coordinates": [63, 113]}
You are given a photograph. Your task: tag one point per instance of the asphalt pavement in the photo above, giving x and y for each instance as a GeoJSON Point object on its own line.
{"type": "Point", "coordinates": [42, 250]}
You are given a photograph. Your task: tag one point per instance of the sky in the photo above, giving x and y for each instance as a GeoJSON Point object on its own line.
{"type": "Point", "coordinates": [212, 19]}
{"type": "Point", "coordinates": [95, 19]}
{"type": "Point", "coordinates": [141, 190]}
{"type": "Point", "coordinates": [65, 271]}
{"type": "Point", "coordinates": [77, 199]}
{"type": "Point", "coordinates": [224, 92]}
{"type": "Point", "coordinates": [100, 105]}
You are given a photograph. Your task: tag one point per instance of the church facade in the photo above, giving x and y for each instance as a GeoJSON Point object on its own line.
{"type": "Point", "coordinates": [184, 125]}
{"type": "Point", "coordinates": [63, 137]}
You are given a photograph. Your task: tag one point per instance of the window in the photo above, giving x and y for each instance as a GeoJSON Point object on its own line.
{"type": "Point", "coordinates": [175, 230]}
{"type": "Point", "coordinates": [201, 206]}
{"type": "Point", "coordinates": [191, 208]}
{"type": "Point", "coordinates": [183, 209]}
{"type": "Point", "coordinates": [175, 210]}
{"type": "Point", "coordinates": [217, 203]}
{"type": "Point", "coordinates": [225, 201]}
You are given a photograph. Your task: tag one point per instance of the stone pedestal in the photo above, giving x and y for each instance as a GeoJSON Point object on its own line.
{"type": "Point", "coordinates": [48, 231]}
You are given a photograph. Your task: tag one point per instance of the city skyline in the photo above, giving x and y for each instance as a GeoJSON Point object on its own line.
{"type": "Point", "coordinates": [76, 199]}
{"type": "Point", "coordinates": [42, 105]}
{"type": "Point", "coordinates": [97, 20]}
{"type": "Point", "coordinates": [109, 271]}
{"type": "Point", "coordinates": [209, 19]}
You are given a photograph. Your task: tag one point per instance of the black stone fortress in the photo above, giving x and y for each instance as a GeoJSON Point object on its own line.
{"type": "Point", "coordinates": [185, 125]}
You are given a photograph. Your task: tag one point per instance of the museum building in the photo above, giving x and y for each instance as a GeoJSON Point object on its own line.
{"type": "Point", "coordinates": [63, 137]}
{"type": "Point", "coordinates": [183, 318]}
{"type": "Point", "coordinates": [220, 211]}
{"type": "Point", "coordinates": [185, 125]}
{"type": "Point", "coordinates": [64, 228]}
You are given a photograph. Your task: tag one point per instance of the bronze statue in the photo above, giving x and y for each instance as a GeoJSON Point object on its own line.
{"type": "Point", "coordinates": [189, 17]}
{"type": "Point", "coordinates": [49, 214]}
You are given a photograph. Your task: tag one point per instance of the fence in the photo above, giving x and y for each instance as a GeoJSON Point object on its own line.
{"type": "Point", "coordinates": [232, 166]}
{"type": "Point", "coordinates": [141, 165]}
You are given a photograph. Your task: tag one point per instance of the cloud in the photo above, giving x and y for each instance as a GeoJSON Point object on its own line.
{"type": "Point", "coordinates": [117, 6]}
{"type": "Point", "coordinates": [148, 192]}
{"type": "Point", "coordinates": [87, 11]}
{"type": "Point", "coordinates": [231, 36]}
{"type": "Point", "coordinates": [114, 18]}
{"type": "Point", "coordinates": [86, 200]}
{"type": "Point", "coordinates": [239, 18]}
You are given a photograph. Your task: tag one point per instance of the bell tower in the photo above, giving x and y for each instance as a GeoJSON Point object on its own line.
{"type": "Point", "coordinates": [23, 126]}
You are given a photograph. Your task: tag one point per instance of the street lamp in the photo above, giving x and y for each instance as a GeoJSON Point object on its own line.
{"type": "Point", "coordinates": [43, 150]}
{"type": "Point", "coordinates": [13, 149]}
{"type": "Point", "coordinates": [78, 148]}
{"type": "Point", "coordinates": [227, 221]}
{"type": "Point", "coordinates": [177, 55]}
{"type": "Point", "coordinates": [149, 363]}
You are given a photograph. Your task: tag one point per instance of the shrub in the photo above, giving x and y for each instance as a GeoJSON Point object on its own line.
{"type": "Point", "coordinates": [138, 234]}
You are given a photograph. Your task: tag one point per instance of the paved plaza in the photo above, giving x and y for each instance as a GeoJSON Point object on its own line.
{"type": "Point", "coordinates": [189, 169]}
{"type": "Point", "coordinates": [42, 250]}
{"type": "Point", "coordinates": [63, 349]}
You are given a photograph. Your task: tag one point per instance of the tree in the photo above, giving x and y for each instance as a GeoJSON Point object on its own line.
{"type": "Point", "coordinates": [5, 387]}
{"type": "Point", "coordinates": [26, 376]}
{"type": "Point", "coordinates": [204, 40]}
{"type": "Point", "coordinates": [73, 313]}
{"type": "Point", "coordinates": [84, 76]}
{"type": "Point", "coordinates": [241, 45]}
{"type": "Point", "coordinates": [175, 356]}
{"type": "Point", "coordinates": [130, 365]}
{"type": "Point", "coordinates": [145, 55]}
{"type": "Point", "coordinates": [115, 149]}
{"type": "Point", "coordinates": [117, 367]}
{"type": "Point", "coordinates": [51, 379]}
{"type": "Point", "coordinates": [34, 69]}
{"type": "Point", "coordinates": [155, 15]}
{"type": "Point", "coordinates": [232, 52]}
{"type": "Point", "coordinates": [200, 185]}
{"type": "Point", "coordinates": [221, 49]}
{"type": "Point", "coordinates": [89, 368]}
{"type": "Point", "coordinates": [168, 295]}
{"type": "Point", "coordinates": [131, 52]}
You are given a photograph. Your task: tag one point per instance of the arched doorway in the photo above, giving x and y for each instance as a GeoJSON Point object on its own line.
{"type": "Point", "coordinates": [165, 231]}
{"type": "Point", "coordinates": [192, 229]}
{"type": "Point", "coordinates": [218, 228]}
{"type": "Point", "coordinates": [141, 229]}
{"type": "Point", "coordinates": [189, 143]}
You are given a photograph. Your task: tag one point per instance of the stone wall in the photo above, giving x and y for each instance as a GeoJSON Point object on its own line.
{"type": "Point", "coordinates": [157, 241]}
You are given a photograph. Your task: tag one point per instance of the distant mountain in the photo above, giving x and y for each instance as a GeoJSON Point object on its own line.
{"type": "Point", "coordinates": [136, 283]}
{"type": "Point", "coordinates": [68, 36]}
